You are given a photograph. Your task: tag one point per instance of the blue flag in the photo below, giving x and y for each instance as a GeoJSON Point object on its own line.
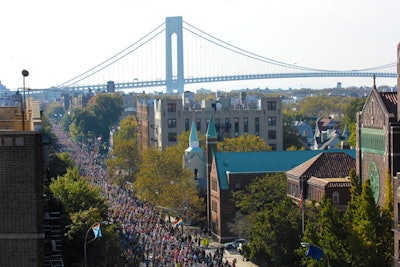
{"type": "Point", "coordinates": [96, 230]}
{"type": "Point", "coordinates": [315, 252]}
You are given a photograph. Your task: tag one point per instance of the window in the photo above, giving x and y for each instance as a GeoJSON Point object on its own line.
{"type": "Point", "coordinates": [273, 147]}
{"type": "Point", "coordinates": [245, 125]}
{"type": "Point", "coordinates": [227, 124]}
{"type": "Point", "coordinates": [257, 124]}
{"type": "Point", "coordinates": [187, 125]}
{"type": "Point", "coordinates": [217, 122]}
{"type": "Point", "coordinates": [271, 105]}
{"type": "Point", "coordinates": [311, 193]}
{"type": "Point", "coordinates": [171, 137]}
{"type": "Point", "coordinates": [214, 185]}
{"type": "Point", "coordinates": [272, 134]}
{"type": "Point", "coordinates": [271, 121]}
{"type": "Point", "coordinates": [227, 127]}
{"type": "Point", "coordinates": [335, 198]}
{"type": "Point", "coordinates": [214, 206]}
{"type": "Point", "coordinates": [171, 107]}
{"type": "Point", "coordinates": [171, 123]}
{"type": "Point", "coordinates": [198, 124]}
{"type": "Point", "coordinates": [236, 125]}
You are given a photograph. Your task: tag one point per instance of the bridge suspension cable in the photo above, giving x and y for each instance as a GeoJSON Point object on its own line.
{"type": "Point", "coordinates": [79, 78]}
{"type": "Point", "coordinates": [249, 54]}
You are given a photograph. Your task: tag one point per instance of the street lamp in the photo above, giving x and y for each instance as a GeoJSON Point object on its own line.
{"type": "Point", "coordinates": [25, 73]}
{"type": "Point", "coordinates": [93, 226]}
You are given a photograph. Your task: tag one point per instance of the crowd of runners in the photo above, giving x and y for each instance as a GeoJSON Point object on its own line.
{"type": "Point", "coordinates": [146, 237]}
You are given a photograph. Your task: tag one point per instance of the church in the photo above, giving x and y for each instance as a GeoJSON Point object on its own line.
{"type": "Point", "coordinates": [378, 148]}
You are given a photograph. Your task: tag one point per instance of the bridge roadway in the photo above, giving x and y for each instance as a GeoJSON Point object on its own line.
{"type": "Point", "coordinates": [192, 80]}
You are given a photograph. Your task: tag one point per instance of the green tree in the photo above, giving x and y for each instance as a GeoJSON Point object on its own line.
{"type": "Point", "coordinates": [47, 131]}
{"type": "Point", "coordinates": [83, 124]}
{"type": "Point", "coordinates": [243, 143]}
{"type": "Point", "coordinates": [82, 207]}
{"type": "Point", "coordinates": [107, 108]}
{"type": "Point", "coordinates": [104, 251]}
{"type": "Point", "coordinates": [66, 121]}
{"type": "Point", "coordinates": [350, 111]}
{"type": "Point", "coordinates": [333, 235]}
{"type": "Point", "coordinates": [124, 159]}
{"type": "Point", "coordinates": [387, 216]}
{"type": "Point", "coordinates": [59, 164]}
{"type": "Point", "coordinates": [76, 194]}
{"type": "Point", "coordinates": [261, 194]}
{"type": "Point", "coordinates": [365, 242]}
{"type": "Point", "coordinates": [322, 106]}
{"type": "Point", "coordinates": [275, 234]}
{"type": "Point", "coordinates": [273, 220]}
{"type": "Point", "coordinates": [162, 180]}
{"type": "Point", "coordinates": [55, 110]}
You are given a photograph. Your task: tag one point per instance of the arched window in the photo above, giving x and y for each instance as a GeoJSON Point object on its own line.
{"type": "Point", "coordinates": [335, 198]}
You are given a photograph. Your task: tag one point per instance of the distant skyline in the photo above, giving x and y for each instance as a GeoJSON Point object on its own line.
{"type": "Point", "coordinates": [57, 40]}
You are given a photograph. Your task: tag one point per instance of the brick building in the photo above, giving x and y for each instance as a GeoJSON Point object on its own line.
{"type": "Point", "coordinates": [22, 172]}
{"type": "Point", "coordinates": [232, 171]}
{"type": "Point", "coordinates": [319, 175]}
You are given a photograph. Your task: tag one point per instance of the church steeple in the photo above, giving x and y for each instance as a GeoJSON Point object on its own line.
{"type": "Point", "coordinates": [194, 137]}
{"type": "Point", "coordinates": [211, 147]}
{"type": "Point", "coordinates": [211, 131]}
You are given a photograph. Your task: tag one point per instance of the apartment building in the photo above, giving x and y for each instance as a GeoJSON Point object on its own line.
{"type": "Point", "coordinates": [232, 117]}
{"type": "Point", "coordinates": [22, 175]}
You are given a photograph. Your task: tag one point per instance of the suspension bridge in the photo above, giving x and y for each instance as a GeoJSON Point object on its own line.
{"type": "Point", "coordinates": [177, 53]}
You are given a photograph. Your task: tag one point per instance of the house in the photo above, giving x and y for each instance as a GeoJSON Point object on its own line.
{"type": "Point", "coordinates": [327, 134]}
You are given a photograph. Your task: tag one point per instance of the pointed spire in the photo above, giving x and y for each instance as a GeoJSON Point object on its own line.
{"type": "Point", "coordinates": [211, 131]}
{"type": "Point", "coordinates": [194, 137]}
{"type": "Point", "coordinates": [374, 79]}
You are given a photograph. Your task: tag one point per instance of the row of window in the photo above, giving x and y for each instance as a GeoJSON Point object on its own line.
{"type": "Point", "coordinates": [172, 137]}
{"type": "Point", "coordinates": [294, 190]}
{"type": "Point", "coordinates": [226, 125]}
{"type": "Point", "coordinates": [271, 105]}
{"type": "Point", "coordinates": [12, 141]}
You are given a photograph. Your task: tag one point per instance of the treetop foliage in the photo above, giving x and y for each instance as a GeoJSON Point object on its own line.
{"type": "Point", "coordinates": [243, 143]}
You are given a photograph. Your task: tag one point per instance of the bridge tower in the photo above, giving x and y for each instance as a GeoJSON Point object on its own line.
{"type": "Point", "coordinates": [174, 77]}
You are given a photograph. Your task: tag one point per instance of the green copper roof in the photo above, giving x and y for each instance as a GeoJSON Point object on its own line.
{"type": "Point", "coordinates": [211, 131]}
{"type": "Point", "coordinates": [194, 137]}
{"type": "Point", "coordinates": [264, 162]}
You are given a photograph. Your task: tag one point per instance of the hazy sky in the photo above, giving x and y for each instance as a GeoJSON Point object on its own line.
{"type": "Point", "coordinates": [55, 39]}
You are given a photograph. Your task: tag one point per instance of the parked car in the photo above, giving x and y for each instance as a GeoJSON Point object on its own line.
{"type": "Point", "coordinates": [234, 244]}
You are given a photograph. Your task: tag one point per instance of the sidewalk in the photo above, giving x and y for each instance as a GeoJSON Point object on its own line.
{"type": "Point", "coordinates": [230, 255]}
{"type": "Point", "coordinates": [239, 259]}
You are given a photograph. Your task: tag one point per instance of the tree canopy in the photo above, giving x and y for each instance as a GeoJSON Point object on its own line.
{"type": "Point", "coordinates": [82, 207]}
{"type": "Point", "coordinates": [124, 158]}
{"type": "Point", "coordinates": [243, 143]}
